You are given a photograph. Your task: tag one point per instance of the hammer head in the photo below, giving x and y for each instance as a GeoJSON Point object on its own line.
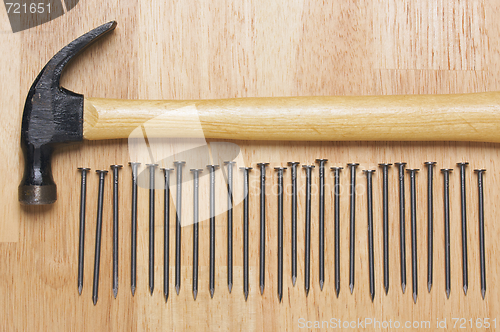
{"type": "Point", "coordinates": [51, 115]}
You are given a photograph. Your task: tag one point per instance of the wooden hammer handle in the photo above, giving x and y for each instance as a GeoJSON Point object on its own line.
{"type": "Point", "coordinates": [459, 117]}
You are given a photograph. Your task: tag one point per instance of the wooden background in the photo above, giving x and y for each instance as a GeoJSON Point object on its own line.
{"type": "Point", "coordinates": [219, 49]}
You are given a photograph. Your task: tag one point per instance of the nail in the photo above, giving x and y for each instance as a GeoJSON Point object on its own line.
{"type": "Point", "coordinates": [133, 231]}
{"type": "Point", "coordinates": [307, 240]}
{"type": "Point", "coordinates": [151, 226]}
{"type": "Point", "coordinates": [196, 220]}
{"type": "Point", "coordinates": [246, 171]}
{"type": "Point", "coordinates": [230, 224]}
{"type": "Point", "coordinates": [81, 242]}
{"type": "Point", "coordinates": [166, 231]}
{"type": "Point", "coordinates": [321, 221]}
{"type": "Point", "coordinates": [115, 169]}
{"type": "Point", "coordinates": [178, 214]}
{"type": "Point", "coordinates": [98, 233]}
{"type": "Point", "coordinates": [430, 223]}
{"type": "Point", "coordinates": [352, 235]}
{"type": "Point", "coordinates": [212, 169]}
{"type": "Point", "coordinates": [402, 231]}
{"type": "Point", "coordinates": [336, 175]}
{"type": "Point", "coordinates": [480, 187]}
{"type": "Point", "coordinates": [385, 209]}
{"type": "Point", "coordinates": [369, 205]}
{"type": "Point", "coordinates": [446, 197]}
{"type": "Point", "coordinates": [463, 205]}
{"type": "Point", "coordinates": [413, 205]}
{"type": "Point", "coordinates": [262, 265]}
{"type": "Point", "coordinates": [280, 231]}
{"type": "Point", "coordinates": [293, 168]}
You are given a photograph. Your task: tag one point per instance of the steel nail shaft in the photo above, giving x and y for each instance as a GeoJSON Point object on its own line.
{"type": "Point", "coordinates": [463, 205]}
{"type": "Point", "coordinates": [178, 221]}
{"type": "Point", "coordinates": [262, 252]}
{"type": "Point", "coordinates": [430, 223]}
{"type": "Point", "coordinates": [196, 220]}
{"type": "Point", "coordinates": [413, 208]}
{"type": "Point", "coordinates": [166, 231]}
{"type": "Point", "coordinates": [280, 231]}
{"type": "Point", "coordinates": [352, 231]}
{"type": "Point", "coordinates": [81, 242]}
{"type": "Point", "coordinates": [480, 186]}
{"type": "Point", "coordinates": [98, 233]}
{"type": "Point", "coordinates": [446, 198]}
{"type": "Point", "coordinates": [307, 237]}
{"type": "Point", "coordinates": [152, 169]}
{"type": "Point", "coordinates": [229, 224]}
{"type": "Point", "coordinates": [402, 231]}
{"type": "Point", "coordinates": [116, 169]}
{"type": "Point", "coordinates": [385, 222]}
{"type": "Point", "coordinates": [133, 230]}
{"type": "Point", "coordinates": [212, 169]}
{"type": "Point", "coordinates": [336, 175]}
{"type": "Point", "coordinates": [246, 171]}
{"type": "Point", "coordinates": [369, 205]}
{"type": "Point", "coordinates": [321, 221]}
{"type": "Point", "coordinates": [293, 169]}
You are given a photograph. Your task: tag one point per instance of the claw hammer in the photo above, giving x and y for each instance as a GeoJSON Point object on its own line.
{"type": "Point", "coordinates": [54, 115]}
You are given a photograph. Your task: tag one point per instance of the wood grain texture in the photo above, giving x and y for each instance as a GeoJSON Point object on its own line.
{"type": "Point", "coordinates": [184, 50]}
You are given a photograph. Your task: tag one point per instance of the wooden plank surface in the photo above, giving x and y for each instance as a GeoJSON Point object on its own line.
{"type": "Point", "coordinates": [216, 49]}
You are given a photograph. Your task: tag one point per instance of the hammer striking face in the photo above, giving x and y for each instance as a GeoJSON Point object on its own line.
{"type": "Point", "coordinates": [55, 115]}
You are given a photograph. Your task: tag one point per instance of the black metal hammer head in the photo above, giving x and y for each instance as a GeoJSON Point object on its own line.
{"type": "Point", "coordinates": [51, 115]}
